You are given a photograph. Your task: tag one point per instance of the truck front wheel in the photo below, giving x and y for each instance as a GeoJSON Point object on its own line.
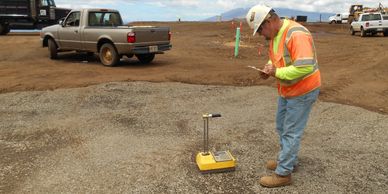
{"type": "Point", "coordinates": [53, 49]}
{"type": "Point", "coordinates": [109, 55]}
{"type": "Point", "coordinates": [2, 29]}
{"type": "Point", "coordinates": [352, 31]}
{"type": "Point", "coordinates": [363, 33]}
{"type": "Point", "coordinates": [145, 58]}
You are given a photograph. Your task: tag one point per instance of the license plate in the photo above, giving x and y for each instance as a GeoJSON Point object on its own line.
{"type": "Point", "coordinates": [153, 49]}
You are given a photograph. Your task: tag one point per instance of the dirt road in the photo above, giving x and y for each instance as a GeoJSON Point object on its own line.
{"type": "Point", "coordinates": [141, 137]}
{"type": "Point", "coordinates": [354, 69]}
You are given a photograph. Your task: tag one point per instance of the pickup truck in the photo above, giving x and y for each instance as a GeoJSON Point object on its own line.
{"type": "Point", "coordinates": [102, 31]}
{"type": "Point", "coordinates": [339, 18]}
{"type": "Point", "coordinates": [370, 23]}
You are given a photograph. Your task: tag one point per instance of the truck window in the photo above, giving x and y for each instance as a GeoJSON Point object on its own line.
{"type": "Point", "coordinates": [111, 19]}
{"type": "Point", "coordinates": [104, 19]}
{"type": "Point", "coordinates": [94, 19]}
{"type": "Point", "coordinates": [43, 3]}
{"type": "Point", "coordinates": [385, 17]}
{"type": "Point", "coordinates": [375, 17]}
{"type": "Point", "coordinates": [47, 3]}
{"type": "Point", "coordinates": [73, 19]}
{"type": "Point", "coordinates": [365, 18]}
{"type": "Point", "coordinates": [52, 3]}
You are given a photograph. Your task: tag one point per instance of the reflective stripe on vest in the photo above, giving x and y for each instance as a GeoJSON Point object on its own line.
{"type": "Point", "coordinates": [299, 62]}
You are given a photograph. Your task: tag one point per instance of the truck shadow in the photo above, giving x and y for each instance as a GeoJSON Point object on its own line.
{"type": "Point", "coordinates": [23, 34]}
{"type": "Point", "coordinates": [79, 57]}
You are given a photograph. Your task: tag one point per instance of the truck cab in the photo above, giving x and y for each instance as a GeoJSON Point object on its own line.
{"type": "Point", "coordinates": [46, 10]}
{"type": "Point", "coordinates": [339, 18]}
{"type": "Point", "coordinates": [335, 18]}
{"type": "Point", "coordinates": [29, 14]}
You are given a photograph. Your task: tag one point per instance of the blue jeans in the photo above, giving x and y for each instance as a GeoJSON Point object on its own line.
{"type": "Point", "coordinates": [291, 119]}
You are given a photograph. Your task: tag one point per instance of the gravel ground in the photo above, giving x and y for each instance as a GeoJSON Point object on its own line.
{"type": "Point", "coordinates": [141, 137]}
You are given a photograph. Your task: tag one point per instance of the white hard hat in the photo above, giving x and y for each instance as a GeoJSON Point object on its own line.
{"type": "Point", "coordinates": [256, 16]}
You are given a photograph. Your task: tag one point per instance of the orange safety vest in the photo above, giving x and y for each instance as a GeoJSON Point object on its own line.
{"type": "Point", "coordinates": [296, 47]}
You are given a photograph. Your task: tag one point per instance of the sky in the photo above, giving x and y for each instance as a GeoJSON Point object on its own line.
{"type": "Point", "coordinates": [194, 10]}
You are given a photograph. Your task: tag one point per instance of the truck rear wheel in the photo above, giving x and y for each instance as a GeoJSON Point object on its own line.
{"type": "Point", "coordinates": [53, 49]}
{"type": "Point", "coordinates": [385, 33]}
{"type": "Point", "coordinates": [145, 58]}
{"type": "Point", "coordinates": [109, 55]}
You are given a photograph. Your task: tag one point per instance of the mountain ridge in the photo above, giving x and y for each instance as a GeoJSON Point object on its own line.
{"type": "Point", "coordinates": [239, 13]}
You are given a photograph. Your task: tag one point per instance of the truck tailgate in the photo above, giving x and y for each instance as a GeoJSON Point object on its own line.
{"type": "Point", "coordinates": [146, 34]}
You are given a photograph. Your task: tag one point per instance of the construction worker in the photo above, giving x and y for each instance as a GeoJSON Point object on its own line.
{"type": "Point", "coordinates": [293, 62]}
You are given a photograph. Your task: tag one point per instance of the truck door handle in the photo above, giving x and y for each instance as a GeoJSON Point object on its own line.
{"type": "Point", "coordinates": [76, 31]}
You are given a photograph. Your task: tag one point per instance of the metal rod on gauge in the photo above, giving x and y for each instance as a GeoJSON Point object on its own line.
{"type": "Point", "coordinates": [207, 134]}
{"type": "Point", "coordinates": [204, 135]}
{"type": "Point", "coordinates": [206, 131]}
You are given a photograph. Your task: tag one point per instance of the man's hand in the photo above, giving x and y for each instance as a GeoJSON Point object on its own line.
{"type": "Point", "coordinates": [270, 70]}
{"type": "Point", "coordinates": [263, 75]}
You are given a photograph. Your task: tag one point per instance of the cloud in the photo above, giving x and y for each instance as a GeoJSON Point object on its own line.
{"type": "Point", "coordinates": [92, 3]}
{"type": "Point", "coordinates": [175, 3]}
{"type": "Point", "coordinates": [158, 4]}
{"type": "Point", "coordinates": [226, 4]}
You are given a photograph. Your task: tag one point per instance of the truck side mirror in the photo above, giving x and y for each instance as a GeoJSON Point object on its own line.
{"type": "Point", "coordinates": [60, 21]}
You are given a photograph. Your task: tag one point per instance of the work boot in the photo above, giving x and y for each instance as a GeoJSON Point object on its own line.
{"type": "Point", "coordinates": [272, 164]}
{"type": "Point", "coordinates": [275, 180]}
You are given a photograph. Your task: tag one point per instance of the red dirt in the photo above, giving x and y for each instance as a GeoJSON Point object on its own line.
{"type": "Point", "coordinates": [354, 69]}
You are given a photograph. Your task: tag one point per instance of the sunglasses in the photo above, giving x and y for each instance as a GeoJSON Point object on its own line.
{"type": "Point", "coordinates": [261, 26]}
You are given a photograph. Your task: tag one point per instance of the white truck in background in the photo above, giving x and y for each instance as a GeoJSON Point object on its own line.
{"type": "Point", "coordinates": [339, 18]}
{"type": "Point", "coordinates": [372, 23]}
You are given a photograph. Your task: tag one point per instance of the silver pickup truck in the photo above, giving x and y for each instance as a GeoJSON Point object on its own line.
{"type": "Point", "coordinates": [102, 31]}
{"type": "Point", "coordinates": [372, 23]}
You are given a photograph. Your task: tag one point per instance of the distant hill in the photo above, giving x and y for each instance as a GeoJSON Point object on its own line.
{"type": "Point", "coordinates": [240, 13]}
